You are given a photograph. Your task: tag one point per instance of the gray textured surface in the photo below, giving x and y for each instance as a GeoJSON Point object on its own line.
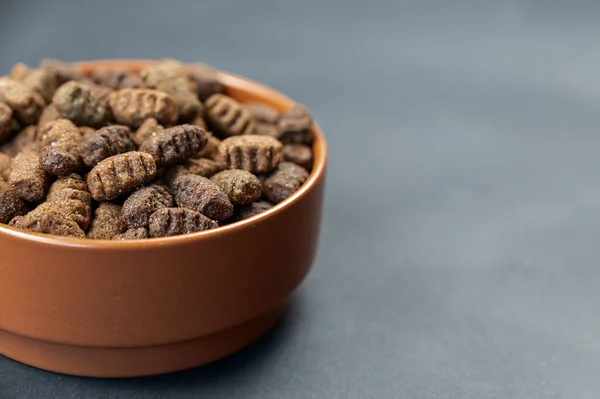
{"type": "Point", "coordinates": [459, 254]}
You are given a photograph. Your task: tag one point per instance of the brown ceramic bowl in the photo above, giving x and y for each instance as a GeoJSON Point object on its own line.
{"type": "Point", "coordinates": [134, 308]}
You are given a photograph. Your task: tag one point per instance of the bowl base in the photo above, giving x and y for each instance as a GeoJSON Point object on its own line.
{"type": "Point", "coordinates": [135, 362]}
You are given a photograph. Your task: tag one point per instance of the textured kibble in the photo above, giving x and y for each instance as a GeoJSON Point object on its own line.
{"type": "Point", "coordinates": [201, 195]}
{"type": "Point", "coordinates": [26, 104]}
{"type": "Point", "coordinates": [25, 139]}
{"type": "Point", "coordinates": [203, 166]}
{"type": "Point", "coordinates": [50, 218]}
{"type": "Point", "coordinates": [72, 195]}
{"type": "Point", "coordinates": [175, 144]}
{"type": "Point", "coordinates": [143, 203]}
{"type": "Point", "coordinates": [61, 144]}
{"type": "Point", "coordinates": [240, 186]}
{"type": "Point", "coordinates": [245, 212]}
{"type": "Point", "coordinates": [227, 117]}
{"type": "Point", "coordinates": [206, 82]}
{"type": "Point", "coordinates": [5, 165]}
{"type": "Point", "coordinates": [42, 82]}
{"type": "Point", "coordinates": [16, 222]}
{"type": "Point", "coordinates": [135, 234]}
{"type": "Point", "coordinates": [10, 203]}
{"type": "Point", "coordinates": [170, 77]}
{"type": "Point", "coordinates": [63, 71]}
{"type": "Point", "coordinates": [295, 126]}
{"type": "Point", "coordinates": [262, 113]}
{"type": "Point", "coordinates": [168, 222]}
{"type": "Point", "coordinates": [8, 124]}
{"type": "Point", "coordinates": [107, 222]}
{"type": "Point", "coordinates": [300, 154]}
{"type": "Point", "coordinates": [210, 150]}
{"type": "Point", "coordinates": [284, 181]}
{"type": "Point", "coordinates": [117, 79]}
{"type": "Point", "coordinates": [81, 104]}
{"type": "Point", "coordinates": [256, 154]}
{"type": "Point", "coordinates": [146, 129]}
{"type": "Point", "coordinates": [120, 174]}
{"type": "Point", "coordinates": [27, 177]}
{"type": "Point", "coordinates": [132, 106]}
{"type": "Point", "coordinates": [106, 142]}
{"type": "Point", "coordinates": [49, 114]}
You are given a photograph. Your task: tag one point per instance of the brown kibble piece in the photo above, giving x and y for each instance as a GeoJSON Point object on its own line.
{"type": "Point", "coordinates": [266, 129]}
{"type": "Point", "coordinates": [8, 124]}
{"type": "Point", "coordinates": [10, 203]}
{"type": "Point", "coordinates": [200, 194]}
{"type": "Point", "coordinates": [107, 222]}
{"type": "Point", "coordinates": [203, 166]}
{"type": "Point", "coordinates": [143, 203]}
{"type": "Point", "coordinates": [27, 177]}
{"type": "Point", "coordinates": [25, 139]}
{"type": "Point", "coordinates": [49, 114]}
{"type": "Point", "coordinates": [120, 174]}
{"type": "Point", "coordinates": [300, 154]}
{"type": "Point", "coordinates": [256, 154]}
{"type": "Point", "coordinates": [135, 234]}
{"type": "Point", "coordinates": [169, 76]}
{"type": "Point", "coordinates": [26, 104]}
{"type": "Point", "coordinates": [16, 222]}
{"type": "Point", "coordinates": [106, 142]}
{"type": "Point", "coordinates": [5, 165]}
{"type": "Point", "coordinates": [57, 161]}
{"type": "Point", "coordinates": [132, 106]}
{"type": "Point", "coordinates": [146, 129]}
{"type": "Point", "coordinates": [210, 150]}
{"type": "Point", "coordinates": [117, 79]}
{"type": "Point", "coordinates": [61, 145]}
{"type": "Point", "coordinates": [42, 82]}
{"type": "Point", "coordinates": [175, 144]}
{"type": "Point", "coordinates": [241, 187]}
{"type": "Point", "coordinates": [63, 71]}
{"type": "Point", "coordinates": [50, 218]}
{"type": "Point", "coordinates": [245, 212]}
{"type": "Point", "coordinates": [72, 195]}
{"type": "Point", "coordinates": [206, 82]}
{"type": "Point", "coordinates": [81, 104]}
{"type": "Point", "coordinates": [295, 126]}
{"type": "Point", "coordinates": [168, 222]}
{"type": "Point", "coordinates": [227, 117]}
{"type": "Point", "coordinates": [284, 181]}
{"type": "Point", "coordinates": [262, 113]}
{"type": "Point", "coordinates": [19, 71]}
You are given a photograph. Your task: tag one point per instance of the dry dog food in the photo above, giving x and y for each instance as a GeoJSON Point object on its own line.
{"type": "Point", "coordinates": [126, 155]}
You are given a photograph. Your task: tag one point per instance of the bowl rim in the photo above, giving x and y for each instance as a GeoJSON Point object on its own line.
{"type": "Point", "coordinates": [229, 80]}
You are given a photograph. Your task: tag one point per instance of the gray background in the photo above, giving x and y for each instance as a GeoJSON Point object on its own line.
{"type": "Point", "coordinates": [459, 251]}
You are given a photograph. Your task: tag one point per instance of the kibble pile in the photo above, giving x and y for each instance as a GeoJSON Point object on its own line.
{"type": "Point", "coordinates": [122, 155]}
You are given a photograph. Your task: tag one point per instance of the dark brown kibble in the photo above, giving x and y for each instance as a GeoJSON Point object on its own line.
{"type": "Point", "coordinates": [42, 82]}
{"type": "Point", "coordinates": [61, 144]}
{"type": "Point", "coordinates": [49, 218]}
{"type": "Point", "coordinates": [256, 154]}
{"type": "Point", "coordinates": [143, 203]}
{"type": "Point", "coordinates": [168, 222]}
{"type": "Point", "coordinates": [211, 149]}
{"type": "Point", "coordinates": [25, 139]}
{"type": "Point", "coordinates": [227, 117]}
{"type": "Point", "coordinates": [26, 104]}
{"type": "Point", "coordinates": [132, 106]}
{"type": "Point", "coordinates": [201, 195]}
{"type": "Point", "coordinates": [284, 181]}
{"type": "Point", "coordinates": [299, 154]}
{"type": "Point", "coordinates": [8, 124]}
{"type": "Point", "coordinates": [135, 234]}
{"type": "Point", "coordinates": [107, 222]}
{"type": "Point", "coordinates": [245, 212]}
{"type": "Point", "coordinates": [62, 71]}
{"type": "Point", "coordinates": [206, 82]}
{"type": "Point", "coordinates": [262, 113]}
{"type": "Point", "coordinates": [81, 104]}
{"type": "Point", "coordinates": [295, 126]}
{"type": "Point", "coordinates": [203, 166]}
{"type": "Point", "coordinates": [120, 174]}
{"type": "Point", "coordinates": [240, 186]}
{"type": "Point", "coordinates": [175, 144]}
{"type": "Point", "coordinates": [169, 76]}
{"type": "Point", "coordinates": [5, 165]}
{"type": "Point", "coordinates": [16, 222]}
{"type": "Point", "coordinates": [49, 114]}
{"type": "Point", "coordinates": [27, 177]}
{"type": "Point", "coordinates": [72, 195]}
{"type": "Point", "coordinates": [106, 142]}
{"type": "Point", "coordinates": [146, 129]}
{"type": "Point", "coordinates": [117, 79]}
{"type": "Point", "coordinates": [58, 162]}
{"type": "Point", "coordinates": [266, 129]}
{"type": "Point", "coordinates": [10, 203]}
